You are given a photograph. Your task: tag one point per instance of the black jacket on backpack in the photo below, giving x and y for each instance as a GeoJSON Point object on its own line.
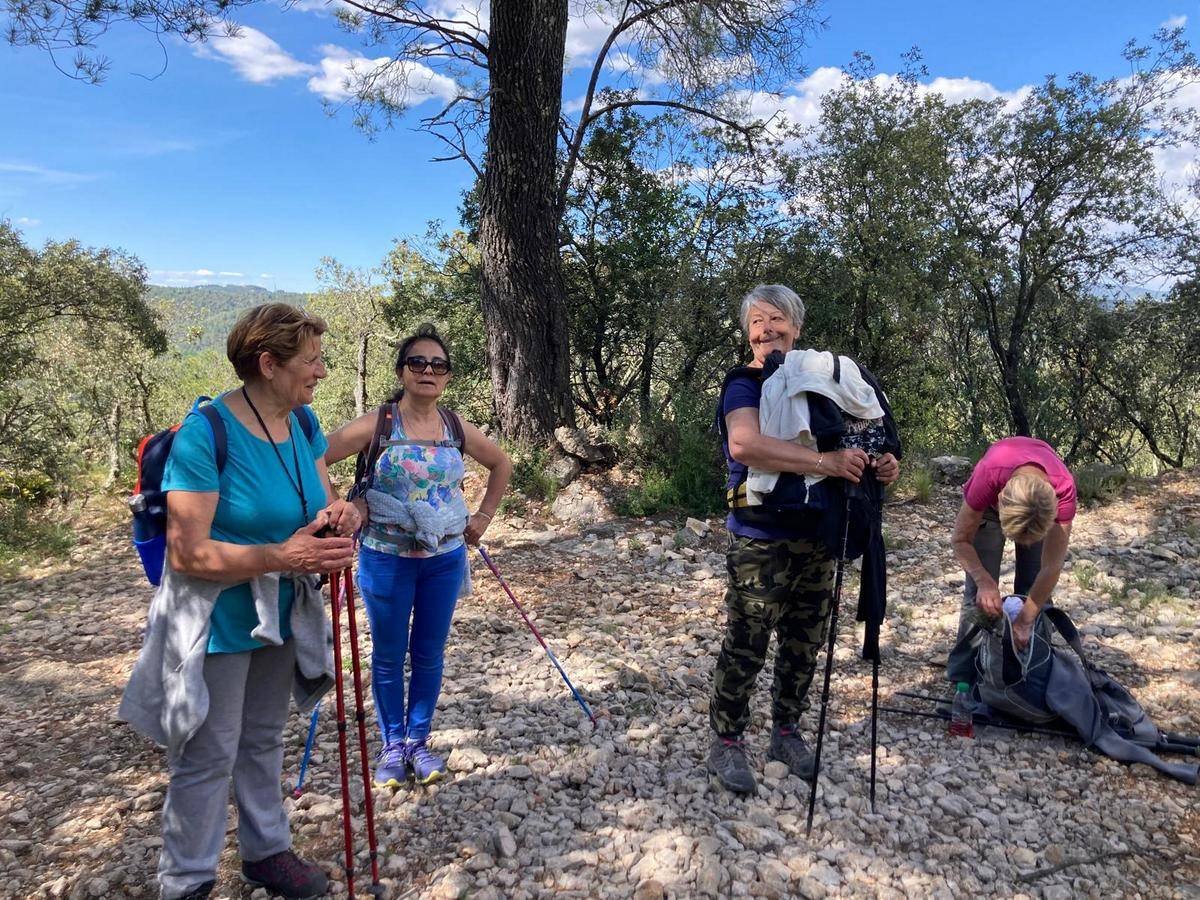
{"type": "Point", "coordinates": [833, 509]}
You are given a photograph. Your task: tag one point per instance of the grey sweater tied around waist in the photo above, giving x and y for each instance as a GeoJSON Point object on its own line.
{"type": "Point", "coordinates": [166, 698]}
{"type": "Point", "coordinates": [430, 526]}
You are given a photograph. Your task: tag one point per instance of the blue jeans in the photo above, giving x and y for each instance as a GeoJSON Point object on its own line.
{"type": "Point", "coordinates": [398, 590]}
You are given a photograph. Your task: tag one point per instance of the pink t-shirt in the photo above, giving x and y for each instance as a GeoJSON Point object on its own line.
{"type": "Point", "coordinates": [993, 471]}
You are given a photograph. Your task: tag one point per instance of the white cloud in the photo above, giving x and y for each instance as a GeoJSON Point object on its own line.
{"type": "Point", "coordinates": [184, 277]}
{"type": "Point", "coordinates": [255, 56]}
{"type": "Point", "coordinates": [477, 14]}
{"type": "Point", "coordinates": [44, 174]}
{"type": "Point", "coordinates": [265, 275]}
{"type": "Point", "coordinates": [408, 83]}
{"type": "Point", "coordinates": [1179, 21]}
{"type": "Point", "coordinates": [314, 6]}
{"type": "Point", "coordinates": [586, 34]}
{"type": "Point", "coordinates": [28, 222]}
{"type": "Point", "coordinates": [158, 147]}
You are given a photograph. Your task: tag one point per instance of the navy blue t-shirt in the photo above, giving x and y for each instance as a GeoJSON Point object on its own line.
{"type": "Point", "coordinates": [742, 393]}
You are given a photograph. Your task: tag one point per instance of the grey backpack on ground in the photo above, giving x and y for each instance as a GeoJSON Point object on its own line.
{"type": "Point", "coordinates": [1046, 683]}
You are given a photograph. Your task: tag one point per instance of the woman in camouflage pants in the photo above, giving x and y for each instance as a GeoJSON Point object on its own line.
{"type": "Point", "coordinates": [780, 577]}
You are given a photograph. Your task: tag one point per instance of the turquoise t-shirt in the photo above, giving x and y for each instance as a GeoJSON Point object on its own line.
{"type": "Point", "coordinates": [258, 505]}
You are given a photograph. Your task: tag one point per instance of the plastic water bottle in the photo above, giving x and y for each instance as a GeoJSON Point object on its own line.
{"type": "Point", "coordinates": [1013, 606]}
{"type": "Point", "coordinates": [961, 723]}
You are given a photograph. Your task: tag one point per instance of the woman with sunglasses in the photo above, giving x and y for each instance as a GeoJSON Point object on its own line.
{"type": "Point", "coordinates": [412, 563]}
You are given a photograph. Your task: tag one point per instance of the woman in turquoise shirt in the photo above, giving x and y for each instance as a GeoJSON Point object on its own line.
{"type": "Point", "coordinates": [260, 514]}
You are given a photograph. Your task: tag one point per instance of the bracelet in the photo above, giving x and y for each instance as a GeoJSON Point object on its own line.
{"type": "Point", "coordinates": [480, 512]}
{"type": "Point", "coordinates": [820, 461]}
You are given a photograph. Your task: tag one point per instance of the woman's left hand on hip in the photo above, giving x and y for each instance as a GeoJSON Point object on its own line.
{"type": "Point", "coordinates": [476, 526]}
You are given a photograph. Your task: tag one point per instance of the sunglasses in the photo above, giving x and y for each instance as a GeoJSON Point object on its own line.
{"type": "Point", "coordinates": [419, 364]}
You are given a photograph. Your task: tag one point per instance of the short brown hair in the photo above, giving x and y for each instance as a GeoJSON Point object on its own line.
{"type": "Point", "coordinates": [276, 328]}
{"type": "Point", "coordinates": [1027, 506]}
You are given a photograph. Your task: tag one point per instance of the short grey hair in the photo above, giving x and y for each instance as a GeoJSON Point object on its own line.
{"type": "Point", "coordinates": [781, 297]}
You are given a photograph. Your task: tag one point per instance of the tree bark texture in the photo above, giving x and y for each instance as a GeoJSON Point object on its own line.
{"type": "Point", "coordinates": [360, 374]}
{"type": "Point", "coordinates": [522, 289]}
{"type": "Point", "coordinates": [114, 444]}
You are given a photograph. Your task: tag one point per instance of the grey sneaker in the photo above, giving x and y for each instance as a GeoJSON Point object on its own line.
{"type": "Point", "coordinates": [790, 749]}
{"type": "Point", "coordinates": [727, 760]}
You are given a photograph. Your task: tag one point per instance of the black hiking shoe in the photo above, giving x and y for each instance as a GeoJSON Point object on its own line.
{"type": "Point", "coordinates": [199, 893]}
{"type": "Point", "coordinates": [790, 749]}
{"type": "Point", "coordinates": [286, 875]}
{"type": "Point", "coordinates": [727, 761]}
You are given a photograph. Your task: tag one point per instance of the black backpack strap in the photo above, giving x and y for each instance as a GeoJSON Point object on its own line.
{"type": "Point", "coordinates": [364, 466]}
{"type": "Point", "coordinates": [1065, 627]}
{"type": "Point", "coordinates": [454, 425]}
{"type": "Point", "coordinates": [220, 437]}
{"type": "Point", "coordinates": [837, 369]}
{"type": "Point", "coordinates": [735, 372]}
{"type": "Point", "coordinates": [308, 421]}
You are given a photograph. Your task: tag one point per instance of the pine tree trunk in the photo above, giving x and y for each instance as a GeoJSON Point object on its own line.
{"type": "Point", "coordinates": [523, 295]}
{"type": "Point", "coordinates": [360, 375]}
{"type": "Point", "coordinates": [114, 445]}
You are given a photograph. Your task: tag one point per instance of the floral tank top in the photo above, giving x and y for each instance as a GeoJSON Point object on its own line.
{"type": "Point", "coordinates": [417, 471]}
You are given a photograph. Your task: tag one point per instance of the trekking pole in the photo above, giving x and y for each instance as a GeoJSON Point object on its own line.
{"type": "Point", "coordinates": [833, 617]}
{"type": "Point", "coordinates": [335, 602]}
{"type": "Point", "coordinates": [308, 745]}
{"type": "Point", "coordinates": [874, 721]}
{"type": "Point", "coordinates": [360, 715]}
{"type": "Point", "coordinates": [561, 671]}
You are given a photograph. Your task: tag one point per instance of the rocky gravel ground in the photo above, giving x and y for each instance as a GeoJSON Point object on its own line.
{"type": "Point", "coordinates": [541, 804]}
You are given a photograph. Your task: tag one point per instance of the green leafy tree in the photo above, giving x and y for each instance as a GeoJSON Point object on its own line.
{"type": "Point", "coordinates": [696, 56]}
{"type": "Point", "coordinates": [1061, 196]}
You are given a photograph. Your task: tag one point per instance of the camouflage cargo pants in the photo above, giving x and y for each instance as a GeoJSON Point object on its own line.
{"type": "Point", "coordinates": [780, 586]}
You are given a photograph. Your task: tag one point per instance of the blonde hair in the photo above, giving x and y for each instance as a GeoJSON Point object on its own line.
{"type": "Point", "coordinates": [1027, 507]}
{"type": "Point", "coordinates": [276, 328]}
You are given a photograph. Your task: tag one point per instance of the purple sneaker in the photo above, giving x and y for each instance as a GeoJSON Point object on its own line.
{"type": "Point", "coordinates": [427, 766]}
{"type": "Point", "coordinates": [287, 875]}
{"type": "Point", "coordinates": [392, 768]}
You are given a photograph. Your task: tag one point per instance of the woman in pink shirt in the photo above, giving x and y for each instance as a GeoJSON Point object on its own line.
{"type": "Point", "coordinates": [1022, 491]}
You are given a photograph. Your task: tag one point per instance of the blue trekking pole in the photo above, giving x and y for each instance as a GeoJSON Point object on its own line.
{"type": "Point", "coordinates": [308, 745]}
{"type": "Point", "coordinates": [554, 659]}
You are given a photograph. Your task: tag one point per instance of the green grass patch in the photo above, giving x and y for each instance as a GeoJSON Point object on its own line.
{"type": "Point", "coordinates": [916, 480]}
{"type": "Point", "coordinates": [1085, 574]}
{"type": "Point", "coordinates": [1144, 594]}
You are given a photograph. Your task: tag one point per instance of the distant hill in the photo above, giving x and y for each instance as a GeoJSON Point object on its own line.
{"type": "Point", "coordinates": [212, 309]}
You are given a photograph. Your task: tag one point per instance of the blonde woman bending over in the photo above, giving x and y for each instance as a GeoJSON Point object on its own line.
{"type": "Point", "coordinates": [1020, 490]}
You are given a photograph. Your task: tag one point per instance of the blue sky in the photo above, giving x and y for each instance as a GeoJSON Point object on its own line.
{"type": "Point", "coordinates": [226, 168]}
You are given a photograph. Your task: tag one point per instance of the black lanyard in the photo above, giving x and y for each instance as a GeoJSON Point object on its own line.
{"type": "Point", "coordinates": [297, 483]}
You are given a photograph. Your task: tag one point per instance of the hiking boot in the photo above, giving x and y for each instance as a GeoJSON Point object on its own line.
{"type": "Point", "coordinates": [199, 893]}
{"type": "Point", "coordinates": [427, 766]}
{"type": "Point", "coordinates": [727, 761]}
{"type": "Point", "coordinates": [392, 765]}
{"type": "Point", "coordinates": [790, 749]}
{"type": "Point", "coordinates": [287, 875]}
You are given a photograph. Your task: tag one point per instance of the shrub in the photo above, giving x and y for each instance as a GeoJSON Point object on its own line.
{"type": "Point", "coordinates": [1099, 482]}
{"type": "Point", "coordinates": [677, 459]}
{"type": "Point", "coordinates": [916, 479]}
{"type": "Point", "coordinates": [29, 533]}
{"type": "Point", "coordinates": [531, 476]}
